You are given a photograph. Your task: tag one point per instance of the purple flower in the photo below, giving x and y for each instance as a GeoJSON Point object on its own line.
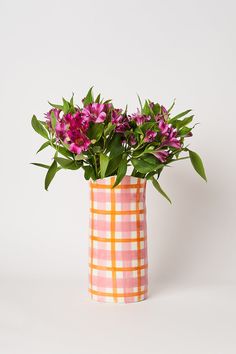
{"type": "Point", "coordinates": [120, 121]}
{"type": "Point", "coordinates": [164, 127]}
{"type": "Point", "coordinates": [95, 112]}
{"type": "Point", "coordinates": [139, 118]}
{"type": "Point", "coordinates": [163, 115]}
{"type": "Point", "coordinates": [116, 116]}
{"type": "Point", "coordinates": [151, 105]}
{"type": "Point", "coordinates": [132, 140]}
{"type": "Point", "coordinates": [150, 136]}
{"type": "Point", "coordinates": [161, 155]}
{"type": "Point", "coordinates": [60, 130]}
{"type": "Point", "coordinates": [169, 135]}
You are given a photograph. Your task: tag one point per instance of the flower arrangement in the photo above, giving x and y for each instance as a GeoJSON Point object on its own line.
{"type": "Point", "coordinates": [104, 140]}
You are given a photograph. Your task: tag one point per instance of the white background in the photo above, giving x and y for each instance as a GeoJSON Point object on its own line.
{"type": "Point", "coordinates": [161, 50]}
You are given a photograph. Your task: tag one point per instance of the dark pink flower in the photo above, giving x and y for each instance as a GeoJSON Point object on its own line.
{"type": "Point", "coordinates": [94, 112]}
{"type": "Point", "coordinates": [150, 136]}
{"type": "Point", "coordinates": [77, 121]}
{"type": "Point", "coordinates": [161, 155]}
{"type": "Point", "coordinates": [78, 141]}
{"type": "Point", "coordinates": [139, 118]}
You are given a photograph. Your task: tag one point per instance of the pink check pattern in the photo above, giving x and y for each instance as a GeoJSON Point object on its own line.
{"type": "Point", "coordinates": [118, 240]}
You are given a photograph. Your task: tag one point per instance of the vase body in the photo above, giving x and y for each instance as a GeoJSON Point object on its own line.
{"type": "Point", "coordinates": [118, 240]}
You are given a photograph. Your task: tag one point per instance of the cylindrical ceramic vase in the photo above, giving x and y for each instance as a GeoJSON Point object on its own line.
{"type": "Point", "coordinates": [118, 241]}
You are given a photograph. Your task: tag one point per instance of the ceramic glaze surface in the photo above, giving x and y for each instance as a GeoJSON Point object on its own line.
{"type": "Point", "coordinates": [118, 240]}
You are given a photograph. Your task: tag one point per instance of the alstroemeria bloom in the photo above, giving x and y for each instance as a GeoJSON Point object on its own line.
{"type": "Point", "coordinates": [60, 130]}
{"type": "Point", "coordinates": [95, 112]}
{"type": "Point", "coordinates": [161, 155]}
{"type": "Point", "coordinates": [78, 141]}
{"type": "Point", "coordinates": [77, 121]}
{"type": "Point", "coordinates": [164, 113]}
{"type": "Point", "coordinates": [132, 140]}
{"type": "Point", "coordinates": [162, 116]}
{"type": "Point", "coordinates": [139, 118]}
{"type": "Point", "coordinates": [169, 135]}
{"type": "Point", "coordinates": [48, 116]}
{"type": "Point", "coordinates": [150, 136]}
{"type": "Point", "coordinates": [119, 120]}
{"type": "Point", "coordinates": [164, 127]}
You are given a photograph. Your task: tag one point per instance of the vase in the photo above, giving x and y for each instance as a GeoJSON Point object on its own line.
{"type": "Point", "coordinates": [118, 268]}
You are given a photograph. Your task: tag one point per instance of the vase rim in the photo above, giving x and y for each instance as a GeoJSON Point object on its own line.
{"type": "Point", "coordinates": [123, 180]}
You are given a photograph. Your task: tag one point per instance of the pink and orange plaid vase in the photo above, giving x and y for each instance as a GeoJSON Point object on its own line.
{"type": "Point", "coordinates": [118, 241]}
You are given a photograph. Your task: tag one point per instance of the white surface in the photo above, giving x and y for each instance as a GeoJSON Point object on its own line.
{"type": "Point", "coordinates": [48, 317]}
{"type": "Point", "coordinates": [160, 49]}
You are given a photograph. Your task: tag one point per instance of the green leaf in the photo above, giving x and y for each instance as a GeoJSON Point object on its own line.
{"type": "Point", "coordinates": [180, 115]}
{"type": "Point", "coordinates": [98, 98]}
{"type": "Point", "coordinates": [46, 144]}
{"type": "Point", "coordinates": [89, 172]}
{"type": "Point", "coordinates": [113, 165]}
{"type": "Point", "coordinates": [146, 163]}
{"type": "Point", "coordinates": [159, 189]}
{"type": "Point", "coordinates": [147, 125]}
{"type": "Point", "coordinates": [116, 147]}
{"type": "Point", "coordinates": [68, 164]}
{"type": "Point", "coordinates": [38, 127]}
{"type": "Point", "coordinates": [110, 127]}
{"type": "Point", "coordinates": [171, 107]}
{"type": "Point", "coordinates": [156, 109]}
{"type": "Point", "coordinates": [197, 164]}
{"type": "Point", "coordinates": [50, 174]}
{"type": "Point", "coordinates": [72, 100]}
{"type": "Point", "coordinates": [181, 123]}
{"type": "Point", "coordinates": [40, 165]}
{"type": "Point", "coordinates": [89, 97]}
{"type": "Point", "coordinates": [63, 151]}
{"type": "Point", "coordinates": [57, 106]}
{"type": "Point", "coordinates": [122, 168]}
{"type": "Point", "coordinates": [53, 120]}
{"type": "Point", "coordinates": [66, 106]}
{"type": "Point", "coordinates": [104, 161]}
{"type": "Point", "coordinates": [95, 131]}
{"type": "Point", "coordinates": [140, 103]}
{"type": "Point", "coordinates": [184, 131]}
{"type": "Point", "coordinates": [146, 108]}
